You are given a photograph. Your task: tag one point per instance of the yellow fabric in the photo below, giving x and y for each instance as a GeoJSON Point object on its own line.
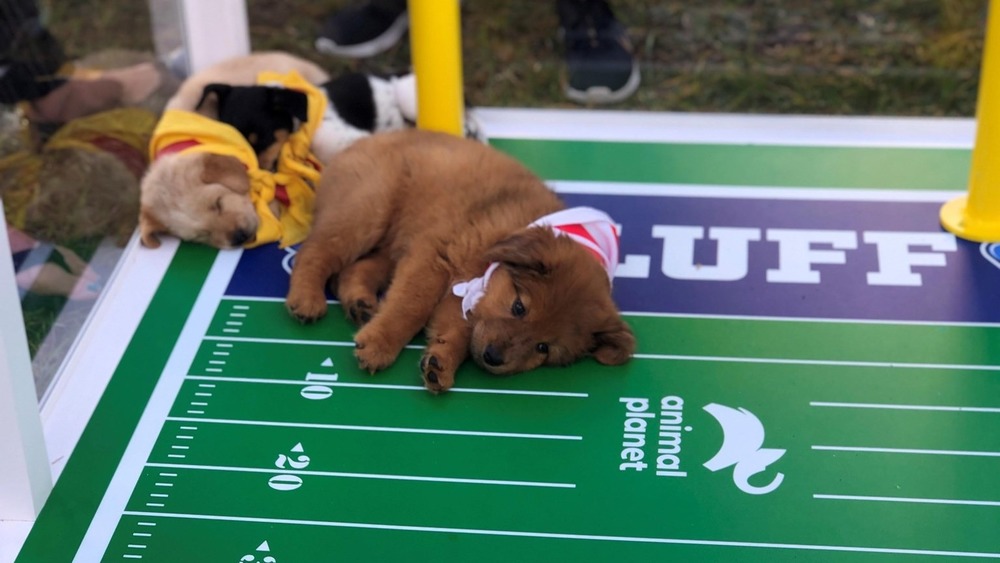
{"type": "Point", "coordinates": [297, 168]}
{"type": "Point", "coordinates": [123, 133]}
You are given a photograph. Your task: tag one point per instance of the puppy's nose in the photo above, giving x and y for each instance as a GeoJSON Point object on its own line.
{"type": "Point", "coordinates": [492, 356]}
{"type": "Point", "coordinates": [242, 236]}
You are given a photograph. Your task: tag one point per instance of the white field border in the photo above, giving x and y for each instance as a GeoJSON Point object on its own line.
{"type": "Point", "coordinates": [133, 460]}
{"type": "Point", "coordinates": [727, 129]}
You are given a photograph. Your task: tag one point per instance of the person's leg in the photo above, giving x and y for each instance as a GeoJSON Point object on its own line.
{"type": "Point", "coordinates": [33, 69]}
{"type": "Point", "coordinates": [363, 30]}
{"type": "Point", "coordinates": [30, 57]}
{"type": "Point", "coordinates": [600, 66]}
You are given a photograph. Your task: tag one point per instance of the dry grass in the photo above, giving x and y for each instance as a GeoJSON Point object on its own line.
{"type": "Point", "coordinates": [901, 57]}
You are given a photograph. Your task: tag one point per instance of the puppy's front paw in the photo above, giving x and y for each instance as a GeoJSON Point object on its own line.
{"type": "Point", "coordinates": [306, 306]}
{"type": "Point", "coordinates": [360, 311]}
{"type": "Point", "coordinates": [437, 375]}
{"type": "Point", "coordinates": [373, 351]}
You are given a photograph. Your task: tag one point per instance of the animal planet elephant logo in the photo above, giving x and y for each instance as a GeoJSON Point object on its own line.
{"type": "Point", "coordinates": [743, 438]}
{"type": "Point", "coordinates": [991, 251]}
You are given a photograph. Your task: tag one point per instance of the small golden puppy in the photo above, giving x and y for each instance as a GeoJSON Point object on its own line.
{"type": "Point", "coordinates": [201, 196]}
{"type": "Point", "coordinates": [467, 244]}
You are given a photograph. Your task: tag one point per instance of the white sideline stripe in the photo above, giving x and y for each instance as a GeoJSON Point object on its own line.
{"type": "Point", "coordinates": [393, 387]}
{"type": "Point", "coordinates": [734, 191]}
{"type": "Point", "coordinates": [845, 363]}
{"type": "Point", "coordinates": [632, 126]}
{"type": "Point", "coordinates": [370, 476]}
{"type": "Point", "coordinates": [263, 299]}
{"type": "Point", "coordinates": [905, 451]}
{"type": "Point", "coordinates": [942, 408]}
{"type": "Point", "coordinates": [562, 536]}
{"type": "Point", "coordinates": [375, 428]}
{"type": "Point", "coordinates": [912, 500]}
{"type": "Point", "coordinates": [257, 340]}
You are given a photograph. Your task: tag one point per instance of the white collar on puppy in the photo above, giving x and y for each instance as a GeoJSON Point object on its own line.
{"type": "Point", "coordinates": [591, 228]}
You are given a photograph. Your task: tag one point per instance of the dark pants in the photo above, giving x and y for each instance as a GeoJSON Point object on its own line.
{"type": "Point", "coordinates": [30, 56]}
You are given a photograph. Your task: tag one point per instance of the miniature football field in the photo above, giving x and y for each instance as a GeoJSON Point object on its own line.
{"type": "Point", "coordinates": [817, 378]}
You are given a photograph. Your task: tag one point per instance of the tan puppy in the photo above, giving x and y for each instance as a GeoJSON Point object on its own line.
{"type": "Point", "coordinates": [425, 215]}
{"type": "Point", "coordinates": [204, 197]}
{"type": "Point", "coordinates": [242, 71]}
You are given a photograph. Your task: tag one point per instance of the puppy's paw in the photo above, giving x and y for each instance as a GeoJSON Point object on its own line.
{"type": "Point", "coordinates": [360, 311]}
{"type": "Point", "coordinates": [437, 375]}
{"type": "Point", "coordinates": [373, 351]}
{"type": "Point", "coordinates": [306, 307]}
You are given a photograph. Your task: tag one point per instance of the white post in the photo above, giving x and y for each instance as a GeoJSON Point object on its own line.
{"type": "Point", "coordinates": [192, 34]}
{"type": "Point", "coordinates": [25, 479]}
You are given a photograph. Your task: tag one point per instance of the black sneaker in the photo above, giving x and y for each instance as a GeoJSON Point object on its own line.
{"type": "Point", "coordinates": [365, 30]}
{"type": "Point", "coordinates": [600, 68]}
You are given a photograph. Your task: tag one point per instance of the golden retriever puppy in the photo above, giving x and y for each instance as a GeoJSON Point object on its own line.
{"type": "Point", "coordinates": [471, 247]}
{"type": "Point", "coordinates": [229, 111]}
{"type": "Point", "coordinates": [242, 71]}
{"type": "Point", "coordinates": [200, 196]}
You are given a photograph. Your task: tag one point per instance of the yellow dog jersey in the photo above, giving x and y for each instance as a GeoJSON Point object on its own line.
{"type": "Point", "coordinates": [297, 169]}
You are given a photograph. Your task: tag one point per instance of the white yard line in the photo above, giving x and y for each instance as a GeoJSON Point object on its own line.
{"type": "Point", "coordinates": [839, 363]}
{"type": "Point", "coordinates": [563, 536]}
{"type": "Point", "coordinates": [905, 451]}
{"type": "Point", "coordinates": [398, 429]}
{"type": "Point", "coordinates": [942, 408]}
{"type": "Point", "coordinates": [387, 387]}
{"type": "Point", "coordinates": [818, 320]}
{"type": "Point", "coordinates": [960, 502]}
{"type": "Point", "coordinates": [386, 477]}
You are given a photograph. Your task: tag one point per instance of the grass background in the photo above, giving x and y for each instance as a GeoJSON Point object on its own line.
{"type": "Point", "coordinates": [877, 57]}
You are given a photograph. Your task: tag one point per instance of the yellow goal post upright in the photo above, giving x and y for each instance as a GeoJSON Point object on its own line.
{"type": "Point", "coordinates": [976, 216]}
{"type": "Point", "coordinates": [436, 47]}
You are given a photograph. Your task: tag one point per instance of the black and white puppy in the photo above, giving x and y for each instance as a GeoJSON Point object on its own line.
{"type": "Point", "coordinates": [358, 105]}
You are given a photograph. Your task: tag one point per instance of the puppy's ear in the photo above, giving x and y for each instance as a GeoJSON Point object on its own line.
{"type": "Point", "coordinates": [526, 251]}
{"type": "Point", "coordinates": [149, 229]}
{"type": "Point", "coordinates": [213, 97]}
{"type": "Point", "coordinates": [291, 102]}
{"type": "Point", "coordinates": [225, 170]}
{"type": "Point", "coordinates": [614, 343]}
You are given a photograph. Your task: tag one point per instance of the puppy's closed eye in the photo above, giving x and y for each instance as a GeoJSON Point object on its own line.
{"type": "Point", "coordinates": [217, 205]}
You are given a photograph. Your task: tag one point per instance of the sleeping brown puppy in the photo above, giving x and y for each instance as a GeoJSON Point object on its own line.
{"type": "Point", "coordinates": [470, 247]}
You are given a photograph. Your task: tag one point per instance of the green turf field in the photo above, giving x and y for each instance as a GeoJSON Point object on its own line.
{"type": "Point", "coordinates": [758, 421]}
